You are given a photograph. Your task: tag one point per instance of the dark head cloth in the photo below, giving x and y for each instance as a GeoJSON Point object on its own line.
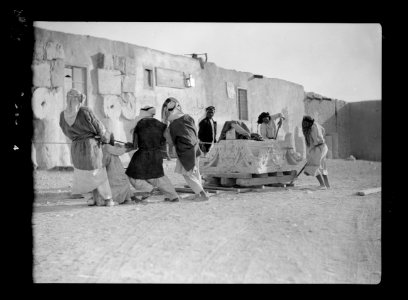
{"type": "Point", "coordinates": [262, 116]}
{"type": "Point", "coordinates": [210, 108]}
{"type": "Point", "coordinates": [307, 121]}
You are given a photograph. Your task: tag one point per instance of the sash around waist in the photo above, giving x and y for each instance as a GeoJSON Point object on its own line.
{"type": "Point", "coordinates": [151, 149]}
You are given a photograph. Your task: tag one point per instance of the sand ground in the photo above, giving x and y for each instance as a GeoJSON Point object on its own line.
{"type": "Point", "coordinates": [295, 235]}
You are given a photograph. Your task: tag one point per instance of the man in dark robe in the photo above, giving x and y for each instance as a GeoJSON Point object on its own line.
{"type": "Point", "coordinates": [207, 130]}
{"type": "Point", "coordinates": [182, 133]}
{"type": "Point", "coordinates": [147, 162]}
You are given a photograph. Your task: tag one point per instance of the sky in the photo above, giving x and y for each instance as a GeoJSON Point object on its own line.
{"type": "Point", "coordinates": [340, 61]}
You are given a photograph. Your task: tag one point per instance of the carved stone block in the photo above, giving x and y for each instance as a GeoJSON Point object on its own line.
{"type": "Point", "coordinates": [130, 66]}
{"type": "Point", "coordinates": [39, 51]}
{"type": "Point", "coordinates": [248, 156]}
{"type": "Point", "coordinates": [106, 61]}
{"type": "Point", "coordinates": [129, 106]}
{"type": "Point", "coordinates": [41, 74]}
{"type": "Point", "coordinates": [119, 63]}
{"type": "Point", "coordinates": [57, 72]}
{"type": "Point", "coordinates": [54, 50]}
{"type": "Point", "coordinates": [129, 84]}
{"type": "Point", "coordinates": [109, 82]}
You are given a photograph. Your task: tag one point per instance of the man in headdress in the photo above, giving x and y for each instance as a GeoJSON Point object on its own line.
{"type": "Point", "coordinates": [80, 124]}
{"type": "Point", "coordinates": [268, 126]}
{"type": "Point", "coordinates": [207, 131]}
{"type": "Point", "coordinates": [316, 151]}
{"type": "Point", "coordinates": [182, 133]}
{"type": "Point", "coordinates": [147, 162]}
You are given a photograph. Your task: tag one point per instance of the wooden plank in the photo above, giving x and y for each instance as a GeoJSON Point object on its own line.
{"type": "Point", "coordinates": [232, 175]}
{"type": "Point", "coordinates": [190, 191]}
{"type": "Point", "coordinates": [229, 189]}
{"type": "Point", "coordinates": [227, 181]}
{"type": "Point", "coordinates": [369, 191]}
{"type": "Point", "coordinates": [264, 181]}
{"type": "Point", "coordinates": [263, 175]}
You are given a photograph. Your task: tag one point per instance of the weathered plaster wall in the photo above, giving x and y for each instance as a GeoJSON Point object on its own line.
{"type": "Point", "coordinates": [366, 134]}
{"type": "Point", "coordinates": [266, 94]}
{"type": "Point", "coordinates": [103, 60]}
{"type": "Point", "coordinates": [116, 90]}
{"type": "Point", "coordinates": [334, 116]}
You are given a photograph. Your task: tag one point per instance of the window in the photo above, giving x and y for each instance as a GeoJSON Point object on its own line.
{"type": "Point", "coordinates": [148, 78]}
{"type": "Point", "coordinates": [242, 105]}
{"type": "Point", "coordinates": [75, 77]}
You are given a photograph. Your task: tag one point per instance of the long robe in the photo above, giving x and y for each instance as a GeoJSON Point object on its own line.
{"type": "Point", "coordinates": [147, 161]}
{"type": "Point", "coordinates": [183, 134]}
{"type": "Point", "coordinates": [316, 153]}
{"type": "Point", "coordinates": [86, 152]}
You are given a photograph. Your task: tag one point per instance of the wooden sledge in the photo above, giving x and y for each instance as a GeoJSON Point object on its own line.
{"type": "Point", "coordinates": [254, 180]}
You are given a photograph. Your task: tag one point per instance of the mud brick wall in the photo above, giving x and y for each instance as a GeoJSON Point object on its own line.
{"type": "Point", "coordinates": [366, 134]}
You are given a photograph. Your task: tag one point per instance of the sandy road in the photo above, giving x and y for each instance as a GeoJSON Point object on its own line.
{"type": "Point", "coordinates": [278, 236]}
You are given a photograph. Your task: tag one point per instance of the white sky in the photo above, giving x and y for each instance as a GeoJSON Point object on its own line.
{"type": "Point", "coordinates": [341, 61]}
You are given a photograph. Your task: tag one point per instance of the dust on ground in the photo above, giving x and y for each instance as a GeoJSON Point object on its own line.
{"type": "Point", "coordinates": [295, 235]}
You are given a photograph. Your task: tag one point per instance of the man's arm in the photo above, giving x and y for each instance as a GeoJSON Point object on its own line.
{"type": "Point", "coordinates": [276, 116]}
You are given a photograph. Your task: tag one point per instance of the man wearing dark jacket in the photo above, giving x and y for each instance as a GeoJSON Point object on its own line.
{"type": "Point", "coordinates": [207, 131]}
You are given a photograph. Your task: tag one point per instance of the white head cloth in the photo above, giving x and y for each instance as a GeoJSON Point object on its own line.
{"type": "Point", "coordinates": [75, 100]}
{"type": "Point", "coordinates": [145, 112]}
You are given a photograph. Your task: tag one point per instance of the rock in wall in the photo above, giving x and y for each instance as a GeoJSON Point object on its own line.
{"type": "Point", "coordinates": [51, 146]}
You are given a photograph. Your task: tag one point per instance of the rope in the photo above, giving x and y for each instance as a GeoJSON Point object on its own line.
{"type": "Point", "coordinates": [34, 142]}
{"type": "Point", "coordinates": [258, 146]}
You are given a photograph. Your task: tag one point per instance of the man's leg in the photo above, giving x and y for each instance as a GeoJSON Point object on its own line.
{"type": "Point", "coordinates": [326, 181]}
{"type": "Point", "coordinates": [320, 179]}
{"type": "Point", "coordinates": [194, 181]}
{"type": "Point", "coordinates": [105, 192]}
{"type": "Point", "coordinates": [165, 186]}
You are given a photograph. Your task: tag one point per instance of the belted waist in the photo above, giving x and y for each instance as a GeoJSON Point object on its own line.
{"type": "Point", "coordinates": [151, 149]}
{"type": "Point", "coordinates": [83, 138]}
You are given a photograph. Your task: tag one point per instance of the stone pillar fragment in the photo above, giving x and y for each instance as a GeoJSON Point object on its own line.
{"type": "Point", "coordinates": [41, 74]}
{"type": "Point", "coordinates": [112, 107]}
{"type": "Point", "coordinates": [41, 103]}
{"type": "Point", "coordinates": [39, 51]}
{"type": "Point", "coordinates": [130, 66]}
{"type": "Point", "coordinates": [52, 148]}
{"type": "Point", "coordinates": [119, 63]}
{"type": "Point", "coordinates": [129, 106]}
{"type": "Point", "coordinates": [57, 73]}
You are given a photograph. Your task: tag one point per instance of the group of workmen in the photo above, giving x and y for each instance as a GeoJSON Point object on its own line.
{"type": "Point", "coordinates": [98, 168]}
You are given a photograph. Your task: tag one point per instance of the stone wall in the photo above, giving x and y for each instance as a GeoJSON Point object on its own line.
{"type": "Point", "coordinates": [366, 134]}
{"type": "Point", "coordinates": [116, 90]}
{"type": "Point", "coordinates": [352, 128]}
{"type": "Point", "coordinates": [265, 94]}
{"type": "Point", "coordinates": [334, 116]}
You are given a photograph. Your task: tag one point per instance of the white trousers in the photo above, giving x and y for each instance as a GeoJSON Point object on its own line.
{"type": "Point", "coordinates": [162, 183]}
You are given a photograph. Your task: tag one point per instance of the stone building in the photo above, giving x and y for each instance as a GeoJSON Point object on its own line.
{"type": "Point", "coordinates": [119, 78]}
{"type": "Point", "coordinates": [352, 128]}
